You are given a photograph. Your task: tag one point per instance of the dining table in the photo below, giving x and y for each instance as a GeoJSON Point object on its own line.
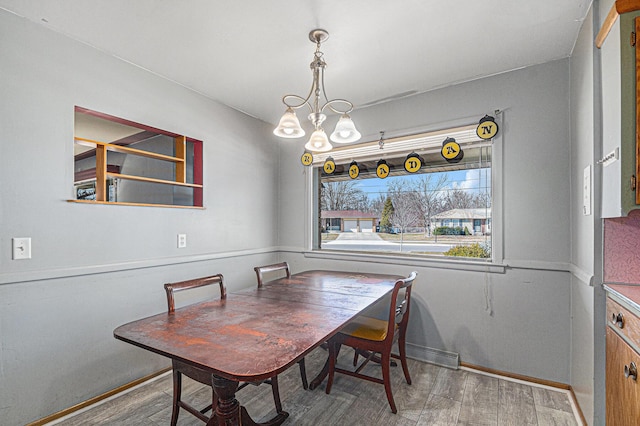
{"type": "Point", "coordinates": [256, 333]}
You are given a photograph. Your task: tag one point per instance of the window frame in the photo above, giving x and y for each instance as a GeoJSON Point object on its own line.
{"type": "Point", "coordinates": [495, 264]}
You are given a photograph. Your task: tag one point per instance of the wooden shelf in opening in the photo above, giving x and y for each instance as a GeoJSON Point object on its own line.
{"type": "Point", "coordinates": [152, 180]}
{"type": "Point", "coordinates": [121, 203]}
{"type": "Point", "coordinates": [126, 150]}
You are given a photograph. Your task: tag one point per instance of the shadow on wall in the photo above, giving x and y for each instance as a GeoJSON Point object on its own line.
{"type": "Point", "coordinates": [422, 330]}
{"type": "Point", "coordinates": [463, 334]}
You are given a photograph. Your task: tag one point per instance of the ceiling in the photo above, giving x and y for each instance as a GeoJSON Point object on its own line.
{"type": "Point", "coordinates": [248, 54]}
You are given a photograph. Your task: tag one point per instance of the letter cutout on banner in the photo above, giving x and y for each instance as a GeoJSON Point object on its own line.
{"type": "Point", "coordinates": [382, 171]}
{"type": "Point", "coordinates": [329, 166]}
{"type": "Point", "coordinates": [451, 151]}
{"type": "Point", "coordinates": [487, 128]}
{"type": "Point", "coordinates": [413, 163]}
{"type": "Point", "coordinates": [354, 170]}
{"type": "Point", "coordinates": [307, 158]}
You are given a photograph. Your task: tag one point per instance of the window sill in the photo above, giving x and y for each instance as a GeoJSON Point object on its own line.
{"type": "Point", "coordinates": [431, 262]}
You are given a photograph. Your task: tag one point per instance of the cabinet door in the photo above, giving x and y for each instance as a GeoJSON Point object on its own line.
{"type": "Point", "coordinates": [636, 31]}
{"type": "Point", "coordinates": [611, 122]}
{"type": "Point", "coordinates": [620, 119]}
{"type": "Point", "coordinates": [623, 405]}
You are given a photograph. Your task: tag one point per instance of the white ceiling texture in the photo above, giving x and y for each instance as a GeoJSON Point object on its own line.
{"type": "Point", "coordinates": [247, 54]}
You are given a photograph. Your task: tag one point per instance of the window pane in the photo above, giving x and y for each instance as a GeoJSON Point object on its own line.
{"type": "Point", "coordinates": [443, 209]}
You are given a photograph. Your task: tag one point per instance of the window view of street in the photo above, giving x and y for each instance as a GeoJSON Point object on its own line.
{"type": "Point", "coordinates": [443, 211]}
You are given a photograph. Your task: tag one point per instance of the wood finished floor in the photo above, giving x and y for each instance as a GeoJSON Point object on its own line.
{"type": "Point", "coordinates": [437, 396]}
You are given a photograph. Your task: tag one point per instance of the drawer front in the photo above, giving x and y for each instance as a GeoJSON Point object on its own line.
{"type": "Point", "coordinates": [621, 319]}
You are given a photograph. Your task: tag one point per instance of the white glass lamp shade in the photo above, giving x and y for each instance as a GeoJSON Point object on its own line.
{"type": "Point", "coordinates": [345, 131]}
{"type": "Point", "coordinates": [318, 142]}
{"type": "Point", "coordinates": [289, 126]}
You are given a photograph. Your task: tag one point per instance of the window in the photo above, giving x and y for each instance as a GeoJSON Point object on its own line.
{"type": "Point", "coordinates": [117, 161]}
{"type": "Point", "coordinates": [441, 209]}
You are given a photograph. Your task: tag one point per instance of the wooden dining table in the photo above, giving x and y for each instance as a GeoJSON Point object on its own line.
{"type": "Point", "coordinates": [256, 333]}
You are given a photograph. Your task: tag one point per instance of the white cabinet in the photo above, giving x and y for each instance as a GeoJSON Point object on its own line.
{"type": "Point", "coordinates": [619, 99]}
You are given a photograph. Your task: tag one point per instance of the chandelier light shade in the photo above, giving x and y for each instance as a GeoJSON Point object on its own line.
{"type": "Point", "coordinates": [289, 126]}
{"type": "Point", "coordinates": [345, 130]}
{"type": "Point", "coordinates": [318, 142]}
{"type": "Point", "coordinates": [317, 101]}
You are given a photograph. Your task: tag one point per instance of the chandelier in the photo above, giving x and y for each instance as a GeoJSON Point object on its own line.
{"type": "Point", "coordinates": [289, 125]}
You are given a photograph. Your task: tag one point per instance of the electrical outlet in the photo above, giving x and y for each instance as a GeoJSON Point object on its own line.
{"type": "Point", "coordinates": [182, 240]}
{"type": "Point", "coordinates": [21, 248]}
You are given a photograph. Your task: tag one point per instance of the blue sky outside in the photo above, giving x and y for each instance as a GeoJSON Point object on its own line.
{"type": "Point", "coordinates": [473, 180]}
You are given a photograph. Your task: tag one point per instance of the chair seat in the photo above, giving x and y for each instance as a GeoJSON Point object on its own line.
{"type": "Point", "coordinates": [367, 328]}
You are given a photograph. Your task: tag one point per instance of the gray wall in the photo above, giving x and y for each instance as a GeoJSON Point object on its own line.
{"type": "Point", "coordinates": [517, 321]}
{"type": "Point", "coordinates": [535, 141]}
{"type": "Point", "coordinates": [584, 228]}
{"type": "Point", "coordinates": [96, 267]}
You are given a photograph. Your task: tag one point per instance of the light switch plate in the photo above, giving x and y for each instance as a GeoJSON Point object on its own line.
{"type": "Point", "coordinates": [21, 248]}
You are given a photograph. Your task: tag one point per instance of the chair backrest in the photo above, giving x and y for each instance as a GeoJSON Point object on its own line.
{"type": "Point", "coordinates": [172, 288]}
{"type": "Point", "coordinates": [261, 270]}
{"type": "Point", "coordinates": [399, 310]}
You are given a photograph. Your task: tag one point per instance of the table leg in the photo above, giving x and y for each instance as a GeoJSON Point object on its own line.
{"type": "Point", "coordinates": [322, 374]}
{"type": "Point", "coordinates": [230, 413]}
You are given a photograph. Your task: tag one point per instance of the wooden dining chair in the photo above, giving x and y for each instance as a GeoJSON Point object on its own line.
{"type": "Point", "coordinates": [180, 368]}
{"type": "Point", "coordinates": [372, 337]}
{"type": "Point", "coordinates": [199, 375]}
{"type": "Point", "coordinates": [280, 270]}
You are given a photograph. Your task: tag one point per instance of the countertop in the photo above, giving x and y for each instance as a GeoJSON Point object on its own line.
{"type": "Point", "coordinates": [628, 293]}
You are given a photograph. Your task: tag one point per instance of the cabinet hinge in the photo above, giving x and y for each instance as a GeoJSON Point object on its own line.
{"type": "Point", "coordinates": [633, 182]}
{"type": "Point", "coordinates": [633, 38]}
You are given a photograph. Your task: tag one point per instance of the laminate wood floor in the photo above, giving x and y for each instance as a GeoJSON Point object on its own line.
{"type": "Point", "coordinates": [437, 396]}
